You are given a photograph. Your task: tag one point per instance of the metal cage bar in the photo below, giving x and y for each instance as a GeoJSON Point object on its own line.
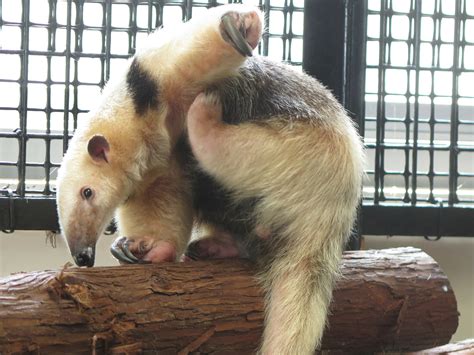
{"type": "Point", "coordinates": [416, 60]}
{"type": "Point", "coordinates": [454, 149]}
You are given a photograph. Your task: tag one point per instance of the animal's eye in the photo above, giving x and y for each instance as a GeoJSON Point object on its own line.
{"type": "Point", "coordinates": [87, 193]}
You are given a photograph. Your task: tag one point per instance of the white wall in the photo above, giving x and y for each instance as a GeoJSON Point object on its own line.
{"type": "Point", "coordinates": [29, 251]}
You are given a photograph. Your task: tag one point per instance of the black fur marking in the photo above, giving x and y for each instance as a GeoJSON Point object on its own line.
{"type": "Point", "coordinates": [143, 88]}
{"type": "Point", "coordinates": [265, 89]}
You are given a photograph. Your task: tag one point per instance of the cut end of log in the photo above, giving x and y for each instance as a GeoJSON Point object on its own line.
{"type": "Point", "coordinates": [396, 299]}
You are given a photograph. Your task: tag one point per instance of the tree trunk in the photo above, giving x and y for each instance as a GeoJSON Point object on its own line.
{"type": "Point", "coordinates": [393, 299]}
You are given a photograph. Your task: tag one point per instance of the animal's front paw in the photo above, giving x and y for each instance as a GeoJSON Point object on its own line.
{"type": "Point", "coordinates": [142, 250]}
{"type": "Point", "coordinates": [242, 29]}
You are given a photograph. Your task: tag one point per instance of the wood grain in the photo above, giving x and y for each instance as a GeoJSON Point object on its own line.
{"type": "Point", "coordinates": [387, 300]}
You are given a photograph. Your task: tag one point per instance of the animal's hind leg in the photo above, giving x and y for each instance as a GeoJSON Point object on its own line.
{"type": "Point", "coordinates": [212, 242]}
{"type": "Point", "coordinates": [303, 199]}
{"type": "Point", "coordinates": [269, 157]}
{"type": "Point", "coordinates": [239, 157]}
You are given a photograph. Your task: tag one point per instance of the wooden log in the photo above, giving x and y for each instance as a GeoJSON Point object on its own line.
{"type": "Point", "coordinates": [393, 299]}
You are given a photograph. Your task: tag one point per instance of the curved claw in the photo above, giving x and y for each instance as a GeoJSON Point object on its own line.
{"type": "Point", "coordinates": [236, 36]}
{"type": "Point", "coordinates": [128, 253]}
{"type": "Point", "coordinates": [120, 251]}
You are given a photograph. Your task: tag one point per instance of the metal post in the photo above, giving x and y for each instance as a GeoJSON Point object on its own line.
{"type": "Point", "coordinates": [334, 53]}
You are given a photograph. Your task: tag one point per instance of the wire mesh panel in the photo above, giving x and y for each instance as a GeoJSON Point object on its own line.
{"type": "Point", "coordinates": [419, 126]}
{"type": "Point", "coordinates": [57, 55]}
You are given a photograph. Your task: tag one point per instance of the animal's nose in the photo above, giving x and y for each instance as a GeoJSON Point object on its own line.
{"type": "Point", "coordinates": [85, 257]}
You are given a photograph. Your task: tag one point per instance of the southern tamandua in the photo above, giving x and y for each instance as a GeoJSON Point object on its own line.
{"type": "Point", "coordinates": [259, 157]}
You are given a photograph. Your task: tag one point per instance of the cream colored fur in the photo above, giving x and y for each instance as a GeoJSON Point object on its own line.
{"type": "Point", "coordinates": [310, 177]}
{"type": "Point", "coordinates": [308, 174]}
{"type": "Point", "coordinates": [183, 61]}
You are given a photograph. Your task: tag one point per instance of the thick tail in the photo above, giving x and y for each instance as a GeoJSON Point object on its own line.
{"type": "Point", "coordinates": [298, 282]}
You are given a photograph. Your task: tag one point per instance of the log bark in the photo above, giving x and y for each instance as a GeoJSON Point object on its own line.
{"type": "Point", "coordinates": [387, 300]}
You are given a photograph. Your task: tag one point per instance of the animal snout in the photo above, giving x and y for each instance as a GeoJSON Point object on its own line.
{"type": "Point", "coordinates": [85, 257]}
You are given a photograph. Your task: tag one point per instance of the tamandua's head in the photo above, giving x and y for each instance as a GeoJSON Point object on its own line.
{"type": "Point", "coordinates": [82, 194]}
{"type": "Point", "coordinates": [97, 175]}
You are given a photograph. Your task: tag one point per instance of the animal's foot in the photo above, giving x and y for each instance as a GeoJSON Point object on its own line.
{"type": "Point", "coordinates": [242, 29]}
{"type": "Point", "coordinates": [142, 250]}
{"type": "Point", "coordinates": [215, 247]}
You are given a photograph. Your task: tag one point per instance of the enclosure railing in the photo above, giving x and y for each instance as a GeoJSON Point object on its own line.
{"type": "Point", "coordinates": [402, 68]}
{"type": "Point", "coordinates": [405, 68]}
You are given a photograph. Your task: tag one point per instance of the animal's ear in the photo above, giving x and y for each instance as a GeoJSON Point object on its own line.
{"type": "Point", "coordinates": [98, 148]}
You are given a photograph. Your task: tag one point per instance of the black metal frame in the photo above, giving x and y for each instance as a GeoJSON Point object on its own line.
{"type": "Point", "coordinates": [334, 51]}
